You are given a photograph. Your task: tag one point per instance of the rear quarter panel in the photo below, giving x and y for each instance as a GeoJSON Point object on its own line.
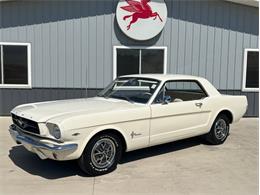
{"type": "Point", "coordinates": [237, 105]}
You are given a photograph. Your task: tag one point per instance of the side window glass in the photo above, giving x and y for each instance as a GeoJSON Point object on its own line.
{"type": "Point", "coordinates": [179, 91]}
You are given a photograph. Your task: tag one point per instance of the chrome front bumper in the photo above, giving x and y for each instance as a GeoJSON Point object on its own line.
{"type": "Point", "coordinates": [44, 148]}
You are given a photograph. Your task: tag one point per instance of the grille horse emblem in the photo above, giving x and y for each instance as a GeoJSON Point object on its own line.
{"type": "Point", "coordinates": [20, 122]}
{"type": "Point", "coordinates": [141, 10]}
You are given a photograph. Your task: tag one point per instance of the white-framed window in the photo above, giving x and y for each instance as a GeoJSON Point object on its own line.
{"type": "Point", "coordinates": [15, 65]}
{"type": "Point", "coordinates": [251, 70]}
{"type": "Point", "coordinates": [139, 60]}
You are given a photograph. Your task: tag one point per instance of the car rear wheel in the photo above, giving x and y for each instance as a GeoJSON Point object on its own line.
{"type": "Point", "coordinates": [101, 154]}
{"type": "Point", "coordinates": [219, 130]}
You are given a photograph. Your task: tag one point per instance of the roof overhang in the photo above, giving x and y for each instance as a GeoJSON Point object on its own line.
{"type": "Point", "coordinates": [253, 3]}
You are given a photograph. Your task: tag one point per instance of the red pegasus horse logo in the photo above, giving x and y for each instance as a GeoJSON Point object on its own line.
{"type": "Point", "coordinates": [141, 10]}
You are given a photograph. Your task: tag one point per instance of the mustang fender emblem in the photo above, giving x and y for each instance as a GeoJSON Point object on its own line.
{"type": "Point", "coordinates": [134, 134]}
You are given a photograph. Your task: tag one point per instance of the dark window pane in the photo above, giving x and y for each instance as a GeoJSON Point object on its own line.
{"type": "Point", "coordinates": [127, 61]}
{"type": "Point", "coordinates": [152, 60]}
{"type": "Point", "coordinates": [0, 66]}
{"type": "Point", "coordinates": [15, 64]}
{"type": "Point", "coordinates": [252, 72]}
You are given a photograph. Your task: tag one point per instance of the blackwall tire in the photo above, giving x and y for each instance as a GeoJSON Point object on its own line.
{"type": "Point", "coordinates": [101, 155]}
{"type": "Point", "coordinates": [219, 130]}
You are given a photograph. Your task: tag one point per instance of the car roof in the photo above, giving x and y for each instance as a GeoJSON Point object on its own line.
{"type": "Point", "coordinates": [164, 77]}
{"type": "Point", "coordinates": [209, 88]}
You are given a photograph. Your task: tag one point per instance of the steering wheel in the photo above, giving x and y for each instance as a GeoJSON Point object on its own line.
{"type": "Point", "coordinates": [147, 93]}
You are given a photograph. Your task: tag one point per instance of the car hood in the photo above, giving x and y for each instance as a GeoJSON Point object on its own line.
{"type": "Point", "coordinates": [44, 111]}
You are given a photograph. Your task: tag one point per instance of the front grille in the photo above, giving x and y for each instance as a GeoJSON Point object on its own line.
{"type": "Point", "coordinates": [26, 124]}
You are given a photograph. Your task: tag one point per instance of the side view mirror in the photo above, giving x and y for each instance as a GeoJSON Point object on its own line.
{"type": "Point", "coordinates": [167, 99]}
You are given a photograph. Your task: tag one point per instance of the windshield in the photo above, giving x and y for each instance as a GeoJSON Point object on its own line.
{"type": "Point", "coordinates": [131, 89]}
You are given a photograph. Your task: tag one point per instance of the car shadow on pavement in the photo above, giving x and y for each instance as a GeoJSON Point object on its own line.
{"type": "Point", "coordinates": [161, 149]}
{"type": "Point", "coordinates": [50, 169]}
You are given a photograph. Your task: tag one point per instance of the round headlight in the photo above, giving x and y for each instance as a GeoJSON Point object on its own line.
{"type": "Point", "coordinates": [54, 130]}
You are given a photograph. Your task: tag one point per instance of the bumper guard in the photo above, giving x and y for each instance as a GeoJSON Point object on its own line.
{"type": "Point", "coordinates": [42, 148]}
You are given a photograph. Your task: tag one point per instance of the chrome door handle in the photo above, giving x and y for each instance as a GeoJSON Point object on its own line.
{"type": "Point", "coordinates": [198, 104]}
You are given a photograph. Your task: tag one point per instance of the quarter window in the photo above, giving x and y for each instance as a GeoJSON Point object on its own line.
{"type": "Point", "coordinates": [14, 61]}
{"type": "Point", "coordinates": [179, 91]}
{"type": "Point", "coordinates": [139, 60]}
{"type": "Point", "coordinates": [251, 70]}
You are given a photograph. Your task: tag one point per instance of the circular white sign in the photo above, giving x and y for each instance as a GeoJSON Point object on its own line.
{"type": "Point", "coordinates": [141, 19]}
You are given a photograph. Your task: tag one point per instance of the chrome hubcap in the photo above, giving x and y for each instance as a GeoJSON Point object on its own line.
{"type": "Point", "coordinates": [221, 129]}
{"type": "Point", "coordinates": [103, 153]}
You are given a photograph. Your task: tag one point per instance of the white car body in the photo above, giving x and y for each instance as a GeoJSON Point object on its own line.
{"type": "Point", "coordinates": [140, 125]}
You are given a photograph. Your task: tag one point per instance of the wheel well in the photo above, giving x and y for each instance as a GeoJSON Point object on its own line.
{"type": "Point", "coordinates": [228, 114]}
{"type": "Point", "coordinates": [117, 133]}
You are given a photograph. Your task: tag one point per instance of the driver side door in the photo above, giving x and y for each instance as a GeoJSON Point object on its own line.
{"type": "Point", "coordinates": [177, 112]}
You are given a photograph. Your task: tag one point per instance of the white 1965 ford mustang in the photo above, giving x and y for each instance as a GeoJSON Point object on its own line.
{"type": "Point", "coordinates": [133, 112]}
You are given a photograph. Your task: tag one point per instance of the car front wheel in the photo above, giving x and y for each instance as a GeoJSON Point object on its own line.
{"type": "Point", "coordinates": [219, 130]}
{"type": "Point", "coordinates": [101, 154]}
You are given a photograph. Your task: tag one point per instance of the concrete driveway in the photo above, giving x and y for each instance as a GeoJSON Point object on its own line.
{"type": "Point", "coordinates": [183, 167]}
